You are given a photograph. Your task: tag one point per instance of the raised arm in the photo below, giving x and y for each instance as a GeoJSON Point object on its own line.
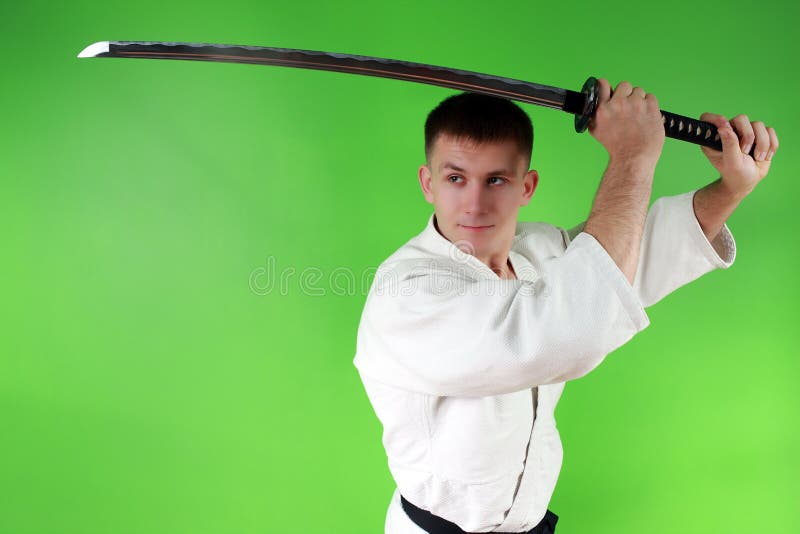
{"type": "Point", "coordinates": [629, 126]}
{"type": "Point", "coordinates": [685, 236]}
{"type": "Point", "coordinates": [443, 332]}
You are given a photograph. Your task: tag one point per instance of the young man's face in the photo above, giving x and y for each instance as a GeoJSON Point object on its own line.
{"type": "Point", "coordinates": [477, 191]}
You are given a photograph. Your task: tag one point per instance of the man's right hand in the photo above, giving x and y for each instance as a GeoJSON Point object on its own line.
{"type": "Point", "coordinates": [628, 123]}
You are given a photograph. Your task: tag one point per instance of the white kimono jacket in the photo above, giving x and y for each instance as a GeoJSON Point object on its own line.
{"type": "Point", "coordinates": [464, 369]}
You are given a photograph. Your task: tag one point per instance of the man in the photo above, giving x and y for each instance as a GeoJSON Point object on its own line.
{"type": "Point", "coordinates": [471, 328]}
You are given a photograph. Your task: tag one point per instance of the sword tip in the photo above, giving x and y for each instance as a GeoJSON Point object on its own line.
{"type": "Point", "coordinates": [94, 49]}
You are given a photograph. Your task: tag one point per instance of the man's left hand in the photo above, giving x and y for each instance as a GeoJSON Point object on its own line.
{"type": "Point", "coordinates": [739, 171]}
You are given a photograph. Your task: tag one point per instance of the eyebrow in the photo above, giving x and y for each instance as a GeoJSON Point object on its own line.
{"type": "Point", "coordinates": [448, 165]}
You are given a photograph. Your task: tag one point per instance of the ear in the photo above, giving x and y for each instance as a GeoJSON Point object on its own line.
{"type": "Point", "coordinates": [529, 184]}
{"type": "Point", "coordinates": [425, 183]}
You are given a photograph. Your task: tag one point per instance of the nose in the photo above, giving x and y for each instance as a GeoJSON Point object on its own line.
{"type": "Point", "coordinates": [476, 199]}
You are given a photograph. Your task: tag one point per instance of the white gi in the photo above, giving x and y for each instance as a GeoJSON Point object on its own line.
{"type": "Point", "coordinates": [464, 369]}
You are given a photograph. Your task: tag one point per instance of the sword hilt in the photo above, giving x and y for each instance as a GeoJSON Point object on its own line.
{"type": "Point", "coordinates": [675, 126]}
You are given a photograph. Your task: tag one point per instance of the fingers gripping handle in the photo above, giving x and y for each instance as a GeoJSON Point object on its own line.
{"type": "Point", "coordinates": [691, 130]}
{"type": "Point", "coordinates": [675, 126]}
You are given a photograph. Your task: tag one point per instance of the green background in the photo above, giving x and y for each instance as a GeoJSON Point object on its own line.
{"type": "Point", "coordinates": [151, 382]}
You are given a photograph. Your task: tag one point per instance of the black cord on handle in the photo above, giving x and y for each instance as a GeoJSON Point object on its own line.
{"type": "Point", "coordinates": [692, 130]}
{"type": "Point", "coordinates": [675, 126]}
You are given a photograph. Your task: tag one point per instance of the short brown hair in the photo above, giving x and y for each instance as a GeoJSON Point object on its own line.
{"type": "Point", "coordinates": [479, 118]}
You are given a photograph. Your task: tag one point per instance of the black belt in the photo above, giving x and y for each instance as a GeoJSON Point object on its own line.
{"type": "Point", "coordinates": [433, 524]}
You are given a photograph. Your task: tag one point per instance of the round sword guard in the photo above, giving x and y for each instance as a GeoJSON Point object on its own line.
{"type": "Point", "coordinates": [590, 90]}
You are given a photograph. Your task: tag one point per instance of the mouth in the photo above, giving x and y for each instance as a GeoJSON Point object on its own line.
{"type": "Point", "coordinates": [476, 228]}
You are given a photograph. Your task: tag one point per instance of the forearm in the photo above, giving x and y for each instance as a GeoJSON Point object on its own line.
{"type": "Point", "coordinates": [713, 204]}
{"type": "Point", "coordinates": [620, 209]}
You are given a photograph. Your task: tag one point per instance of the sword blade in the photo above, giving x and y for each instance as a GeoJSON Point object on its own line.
{"type": "Point", "coordinates": [581, 104]}
{"type": "Point", "coordinates": [532, 93]}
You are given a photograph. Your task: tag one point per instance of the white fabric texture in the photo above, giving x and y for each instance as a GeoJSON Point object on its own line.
{"type": "Point", "coordinates": [464, 369]}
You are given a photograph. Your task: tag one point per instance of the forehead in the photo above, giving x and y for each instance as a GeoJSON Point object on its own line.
{"type": "Point", "coordinates": [467, 153]}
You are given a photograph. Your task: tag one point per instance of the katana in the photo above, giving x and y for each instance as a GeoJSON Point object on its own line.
{"type": "Point", "coordinates": [581, 103]}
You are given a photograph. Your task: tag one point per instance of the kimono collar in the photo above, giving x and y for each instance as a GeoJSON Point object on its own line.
{"type": "Point", "coordinates": [436, 243]}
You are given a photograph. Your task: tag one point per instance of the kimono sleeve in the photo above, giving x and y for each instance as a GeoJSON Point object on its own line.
{"type": "Point", "coordinates": [674, 250]}
{"type": "Point", "coordinates": [445, 334]}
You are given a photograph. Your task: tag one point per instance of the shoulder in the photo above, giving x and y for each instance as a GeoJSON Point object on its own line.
{"type": "Point", "coordinates": [536, 239]}
{"type": "Point", "coordinates": [416, 258]}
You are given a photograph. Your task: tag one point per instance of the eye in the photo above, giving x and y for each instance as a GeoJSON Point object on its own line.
{"type": "Point", "coordinates": [497, 178]}
{"type": "Point", "coordinates": [452, 176]}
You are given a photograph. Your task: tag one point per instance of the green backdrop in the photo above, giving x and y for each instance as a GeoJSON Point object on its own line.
{"type": "Point", "coordinates": [187, 249]}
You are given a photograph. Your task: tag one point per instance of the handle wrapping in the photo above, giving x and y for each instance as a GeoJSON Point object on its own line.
{"type": "Point", "coordinates": [675, 126]}
{"type": "Point", "coordinates": [691, 130]}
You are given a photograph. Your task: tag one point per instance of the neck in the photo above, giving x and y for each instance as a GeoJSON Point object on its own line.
{"type": "Point", "coordinates": [499, 264]}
